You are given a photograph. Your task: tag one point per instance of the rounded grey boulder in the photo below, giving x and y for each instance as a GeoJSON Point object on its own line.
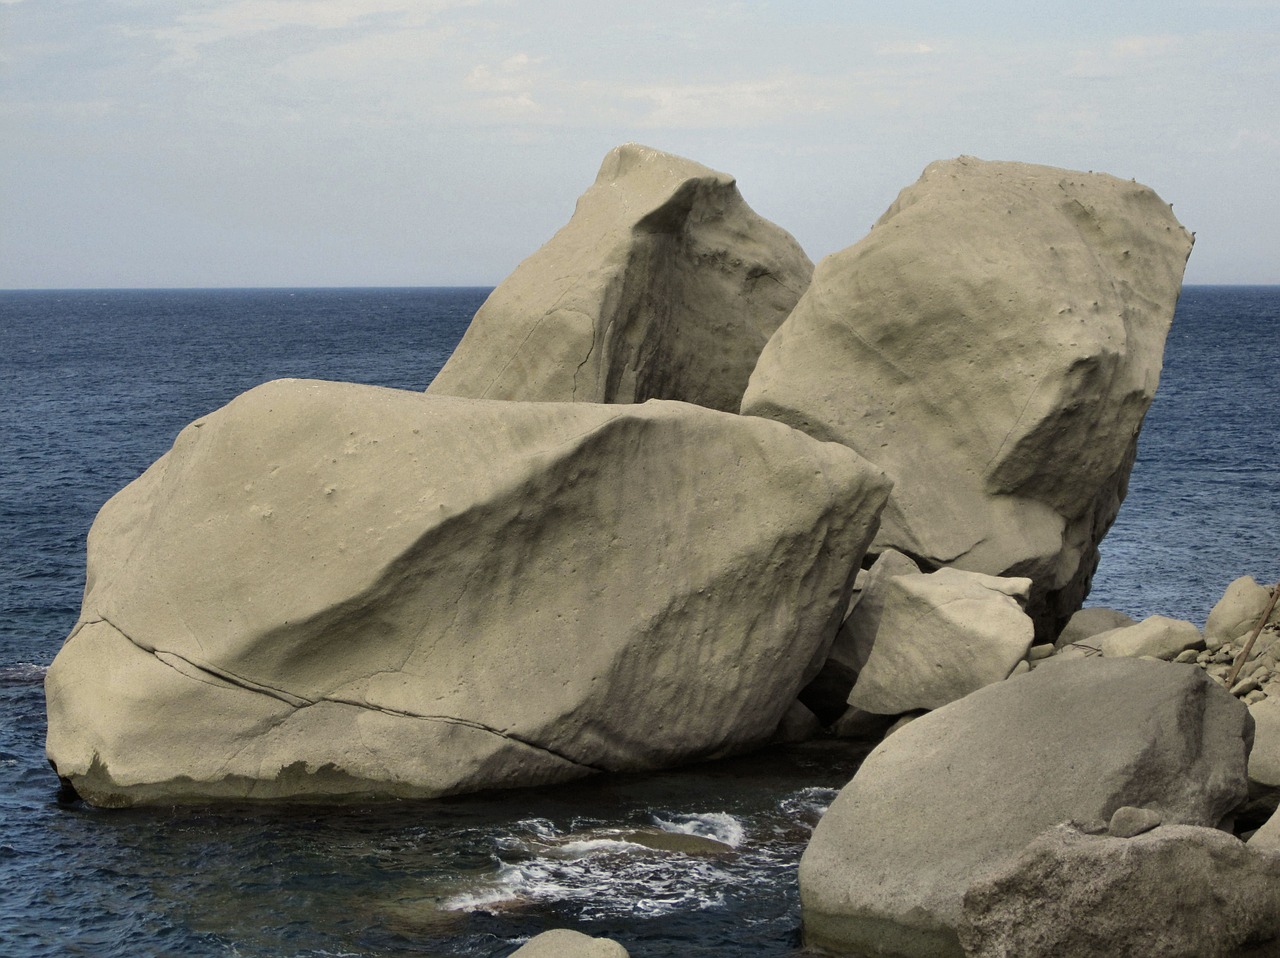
{"type": "Point", "coordinates": [665, 284]}
{"type": "Point", "coordinates": [327, 590]}
{"type": "Point", "coordinates": [959, 789]}
{"type": "Point", "coordinates": [993, 344]}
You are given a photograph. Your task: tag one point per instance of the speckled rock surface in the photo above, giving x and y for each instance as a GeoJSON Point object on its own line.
{"type": "Point", "coordinates": [993, 344]}
{"type": "Point", "coordinates": [328, 590]}
{"type": "Point", "coordinates": [663, 285]}
{"type": "Point", "coordinates": [959, 789]}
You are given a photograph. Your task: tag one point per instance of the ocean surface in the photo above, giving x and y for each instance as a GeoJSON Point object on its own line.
{"type": "Point", "coordinates": [94, 385]}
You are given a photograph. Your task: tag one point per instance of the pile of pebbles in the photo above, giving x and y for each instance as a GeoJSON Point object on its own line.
{"type": "Point", "coordinates": [1224, 639]}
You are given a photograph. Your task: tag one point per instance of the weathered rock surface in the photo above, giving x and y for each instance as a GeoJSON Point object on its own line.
{"type": "Point", "coordinates": [663, 285]}
{"type": "Point", "coordinates": [564, 943]}
{"type": "Point", "coordinates": [1237, 612]}
{"type": "Point", "coordinates": [857, 636]}
{"type": "Point", "coordinates": [1177, 891]}
{"type": "Point", "coordinates": [1090, 622]}
{"type": "Point", "coordinates": [942, 636]}
{"type": "Point", "coordinates": [1267, 838]}
{"type": "Point", "coordinates": [993, 344]}
{"type": "Point", "coordinates": [828, 694]}
{"type": "Point", "coordinates": [326, 589]}
{"type": "Point", "coordinates": [1157, 636]}
{"type": "Point", "coordinates": [1264, 760]}
{"type": "Point", "coordinates": [963, 787]}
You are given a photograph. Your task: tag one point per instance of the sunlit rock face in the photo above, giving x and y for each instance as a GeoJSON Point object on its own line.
{"type": "Point", "coordinates": [663, 285]}
{"type": "Point", "coordinates": [957, 791]}
{"type": "Point", "coordinates": [994, 344]}
{"type": "Point", "coordinates": [327, 590]}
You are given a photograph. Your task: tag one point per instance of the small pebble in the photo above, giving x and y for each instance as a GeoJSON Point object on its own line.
{"type": "Point", "coordinates": [1257, 695]}
{"type": "Point", "coordinates": [1128, 821]}
{"type": "Point", "coordinates": [1245, 686]}
{"type": "Point", "coordinates": [1188, 655]}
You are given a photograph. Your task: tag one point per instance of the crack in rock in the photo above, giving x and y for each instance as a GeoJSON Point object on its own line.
{"type": "Point", "coordinates": [206, 673]}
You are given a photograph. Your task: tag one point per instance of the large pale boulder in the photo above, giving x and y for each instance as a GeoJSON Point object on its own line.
{"type": "Point", "coordinates": [1089, 622]}
{"type": "Point", "coordinates": [565, 943]}
{"type": "Point", "coordinates": [959, 789]}
{"type": "Point", "coordinates": [993, 344]}
{"type": "Point", "coordinates": [1157, 636]}
{"type": "Point", "coordinates": [1178, 891]}
{"type": "Point", "coordinates": [663, 285]}
{"type": "Point", "coordinates": [326, 589]}
{"type": "Point", "coordinates": [1264, 760]}
{"type": "Point", "coordinates": [1237, 613]}
{"type": "Point", "coordinates": [857, 636]}
{"type": "Point", "coordinates": [828, 694]}
{"type": "Point", "coordinates": [942, 636]}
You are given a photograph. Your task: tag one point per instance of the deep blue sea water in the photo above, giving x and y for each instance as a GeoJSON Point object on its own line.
{"type": "Point", "coordinates": [94, 385]}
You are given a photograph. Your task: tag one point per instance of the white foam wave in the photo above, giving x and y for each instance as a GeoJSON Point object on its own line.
{"type": "Point", "coordinates": [720, 826]}
{"type": "Point", "coordinates": [604, 874]}
{"type": "Point", "coordinates": [22, 673]}
{"type": "Point", "coordinates": [808, 804]}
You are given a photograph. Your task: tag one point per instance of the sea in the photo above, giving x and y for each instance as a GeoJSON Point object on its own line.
{"type": "Point", "coordinates": [699, 861]}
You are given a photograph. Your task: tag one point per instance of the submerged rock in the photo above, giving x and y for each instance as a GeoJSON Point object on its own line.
{"type": "Point", "coordinates": [964, 787]}
{"type": "Point", "coordinates": [329, 590]}
{"type": "Point", "coordinates": [1176, 891]}
{"type": "Point", "coordinates": [565, 943]}
{"type": "Point", "coordinates": [663, 285]}
{"type": "Point", "coordinates": [994, 345]}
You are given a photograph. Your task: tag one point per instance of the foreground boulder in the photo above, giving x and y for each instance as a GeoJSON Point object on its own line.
{"type": "Point", "coordinates": [663, 285]}
{"type": "Point", "coordinates": [331, 590]}
{"type": "Point", "coordinates": [1177, 891]}
{"type": "Point", "coordinates": [957, 790]}
{"type": "Point", "coordinates": [993, 344]}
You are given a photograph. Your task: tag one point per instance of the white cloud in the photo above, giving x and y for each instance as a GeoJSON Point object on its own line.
{"type": "Point", "coordinates": [1124, 55]}
{"type": "Point", "coordinates": [241, 19]}
{"type": "Point", "coordinates": [740, 104]}
{"type": "Point", "coordinates": [904, 49]}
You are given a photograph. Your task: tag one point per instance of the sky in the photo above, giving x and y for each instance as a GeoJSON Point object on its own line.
{"type": "Point", "coordinates": [155, 143]}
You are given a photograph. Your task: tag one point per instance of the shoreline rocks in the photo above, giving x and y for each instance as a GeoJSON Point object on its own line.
{"type": "Point", "coordinates": [331, 591]}
{"type": "Point", "coordinates": [663, 285]}
{"type": "Point", "coordinates": [993, 344]}
{"type": "Point", "coordinates": [1175, 890]}
{"type": "Point", "coordinates": [973, 782]}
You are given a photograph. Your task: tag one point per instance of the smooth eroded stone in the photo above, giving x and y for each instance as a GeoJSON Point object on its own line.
{"type": "Point", "coordinates": [942, 636]}
{"type": "Point", "coordinates": [963, 787]}
{"type": "Point", "coordinates": [1129, 820]}
{"type": "Point", "coordinates": [828, 694]}
{"type": "Point", "coordinates": [994, 344]}
{"type": "Point", "coordinates": [1089, 622]}
{"type": "Point", "coordinates": [328, 590]}
{"type": "Point", "coordinates": [564, 943]}
{"type": "Point", "coordinates": [1237, 613]}
{"type": "Point", "coordinates": [1157, 636]}
{"type": "Point", "coordinates": [1264, 760]}
{"type": "Point", "coordinates": [663, 285]}
{"type": "Point", "coordinates": [1176, 891]}
{"type": "Point", "coordinates": [857, 636]}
